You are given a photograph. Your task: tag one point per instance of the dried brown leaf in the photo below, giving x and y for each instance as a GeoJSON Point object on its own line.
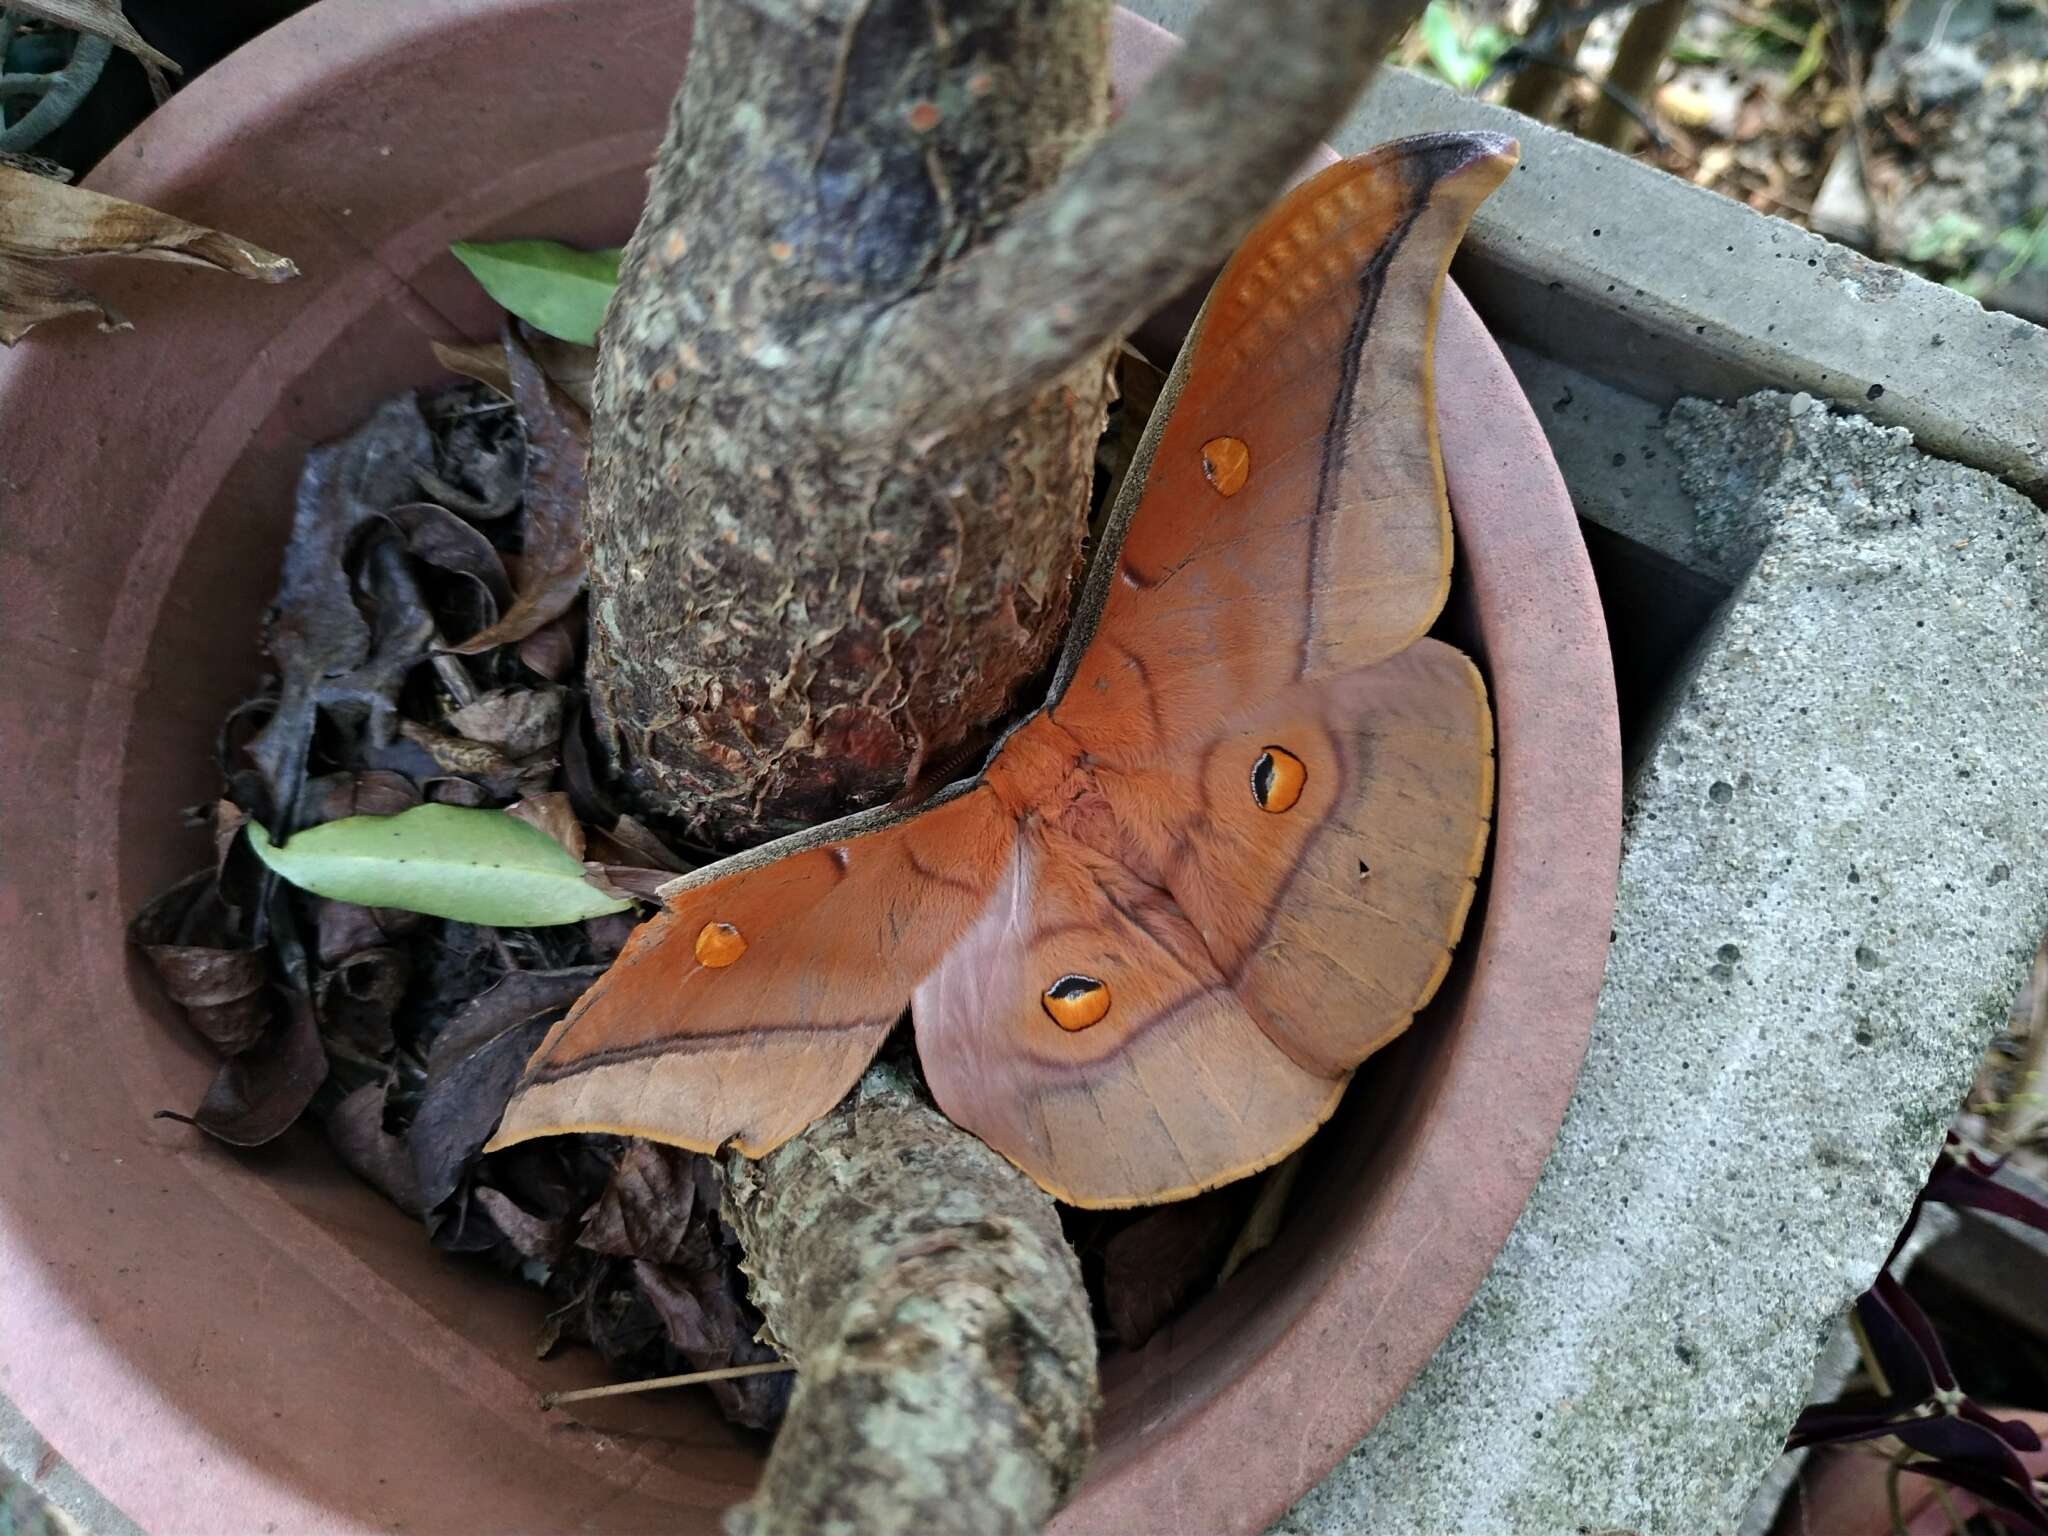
{"type": "Point", "coordinates": [483, 361]}
{"type": "Point", "coordinates": [710, 1325]}
{"type": "Point", "coordinates": [549, 650]}
{"type": "Point", "coordinates": [626, 882]}
{"type": "Point", "coordinates": [197, 977]}
{"type": "Point", "coordinates": [497, 771]}
{"type": "Point", "coordinates": [638, 844]}
{"type": "Point", "coordinates": [259, 1092]}
{"type": "Point", "coordinates": [518, 721]}
{"type": "Point", "coordinates": [46, 220]}
{"type": "Point", "coordinates": [608, 934]}
{"type": "Point", "coordinates": [457, 792]}
{"type": "Point", "coordinates": [646, 1210]}
{"type": "Point", "coordinates": [228, 820]}
{"type": "Point", "coordinates": [31, 294]}
{"type": "Point", "coordinates": [551, 813]}
{"type": "Point", "coordinates": [447, 542]}
{"type": "Point", "coordinates": [358, 998]}
{"type": "Point", "coordinates": [534, 1236]}
{"type": "Point", "coordinates": [551, 558]}
{"type": "Point", "coordinates": [372, 792]}
{"type": "Point", "coordinates": [569, 365]}
{"type": "Point", "coordinates": [355, 1129]}
{"type": "Point", "coordinates": [1151, 1267]}
{"type": "Point", "coordinates": [342, 928]}
{"type": "Point", "coordinates": [101, 18]}
{"type": "Point", "coordinates": [233, 1027]}
{"type": "Point", "coordinates": [473, 1065]}
{"type": "Point", "coordinates": [1262, 1222]}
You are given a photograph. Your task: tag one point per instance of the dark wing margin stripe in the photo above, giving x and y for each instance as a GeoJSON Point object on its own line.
{"type": "Point", "coordinates": [1372, 283]}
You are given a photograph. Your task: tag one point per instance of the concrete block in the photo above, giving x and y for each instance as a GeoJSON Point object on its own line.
{"type": "Point", "coordinates": [1667, 290]}
{"type": "Point", "coordinates": [1832, 884]}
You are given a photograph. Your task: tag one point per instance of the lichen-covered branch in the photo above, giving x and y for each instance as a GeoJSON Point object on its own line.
{"type": "Point", "coordinates": [1160, 200]}
{"type": "Point", "coordinates": [946, 1361]}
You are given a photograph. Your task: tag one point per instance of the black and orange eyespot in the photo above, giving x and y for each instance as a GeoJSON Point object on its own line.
{"type": "Point", "coordinates": [1277, 779]}
{"type": "Point", "coordinates": [1074, 1001]}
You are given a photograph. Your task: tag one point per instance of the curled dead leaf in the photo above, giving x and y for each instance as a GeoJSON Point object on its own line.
{"type": "Point", "coordinates": [649, 1209]}
{"type": "Point", "coordinates": [447, 542]}
{"type": "Point", "coordinates": [355, 1129]}
{"type": "Point", "coordinates": [549, 650]}
{"type": "Point", "coordinates": [31, 294]}
{"type": "Point", "coordinates": [197, 977]}
{"type": "Point", "coordinates": [319, 637]}
{"type": "Point", "coordinates": [497, 772]}
{"type": "Point", "coordinates": [626, 882]}
{"type": "Point", "coordinates": [550, 570]}
{"type": "Point", "coordinates": [632, 841]}
{"type": "Point", "coordinates": [259, 1092]}
{"type": "Point", "coordinates": [372, 792]}
{"type": "Point", "coordinates": [473, 1065]}
{"type": "Point", "coordinates": [570, 365]}
{"type": "Point", "coordinates": [462, 792]}
{"type": "Point", "coordinates": [517, 721]}
{"type": "Point", "coordinates": [536, 1237]}
{"type": "Point", "coordinates": [99, 18]}
{"type": "Point", "coordinates": [358, 997]}
{"type": "Point", "coordinates": [44, 220]}
{"type": "Point", "coordinates": [552, 814]}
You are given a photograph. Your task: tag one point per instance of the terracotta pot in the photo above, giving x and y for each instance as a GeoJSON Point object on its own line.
{"type": "Point", "coordinates": [1841, 1492]}
{"type": "Point", "coordinates": [259, 1341]}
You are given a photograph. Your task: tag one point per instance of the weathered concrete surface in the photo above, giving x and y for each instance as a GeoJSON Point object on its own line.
{"type": "Point", "coordinates": [1669, 290]}
{"type": "Point", "coordinates": [25, 1455]}
{"type": "Point", "coordinates": [1832, 884]}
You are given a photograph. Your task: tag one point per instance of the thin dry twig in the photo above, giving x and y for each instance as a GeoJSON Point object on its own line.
{"type": "Point", "coordinates": [1156, 202]}
{"type": "Point", "coordinates": [549, 1400]}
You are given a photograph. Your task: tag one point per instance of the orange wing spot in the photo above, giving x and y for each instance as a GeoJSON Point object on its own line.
{"type": "Point", "coordinates": [1226, 464]}
{"type": "Point", "coordinates": [1074, 1002]}
{"type": "Point", "coordinates": [719, 944]}
{"type": "Point", "coordinates": [1277, 779]}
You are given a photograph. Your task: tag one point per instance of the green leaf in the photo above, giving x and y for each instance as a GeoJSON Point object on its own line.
{"type": "Point", "coordinates": [553, 288]}
{"type": "Point", "coordinates": [444, 860]}
{"type": "Point", "coordinates": [1811, 54]}
{"type": "Point", "coordinates": [1443, 37]}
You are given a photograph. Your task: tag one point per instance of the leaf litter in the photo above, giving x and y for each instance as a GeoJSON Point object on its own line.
{"type": "Point", "coordinates": [449, 518]}
{"type": "Point", "coordinates": [428, 641]}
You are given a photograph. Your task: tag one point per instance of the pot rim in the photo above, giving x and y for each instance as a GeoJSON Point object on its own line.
{"type": "Point", "coordinates": [1401, 1284]}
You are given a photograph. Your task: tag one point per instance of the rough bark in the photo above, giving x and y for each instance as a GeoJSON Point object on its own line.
{"type": "Point", "coordinates": [946, 1360]}
{"type": "Point", "coordinates": [781, 624]}
{"type": "Point", "coordinates": [851, 383]}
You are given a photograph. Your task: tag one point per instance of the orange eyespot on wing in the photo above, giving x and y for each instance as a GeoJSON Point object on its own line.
{"type": "Point", "coordinates": [1230, 858]}
{"type": "Point", "coordinates": [1277, 779]}
{"type": "Point", "coordinates": [1171, 1090]}
{"type": "Point", "coordinates": [1075, 1001]}
{"type": "Point", "coordinates": [753, 1001]}
{"type": "Point", "coordinates": [1285, 520]}
{"type": "Point", "coordinates": [1226, 464]}
{"type": "Point", "coordinates": [719, 944]}
{"type": "Point", "coordinates": [1250, 966]}
{"type": "Point", "coordinates": [1255, 725]}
